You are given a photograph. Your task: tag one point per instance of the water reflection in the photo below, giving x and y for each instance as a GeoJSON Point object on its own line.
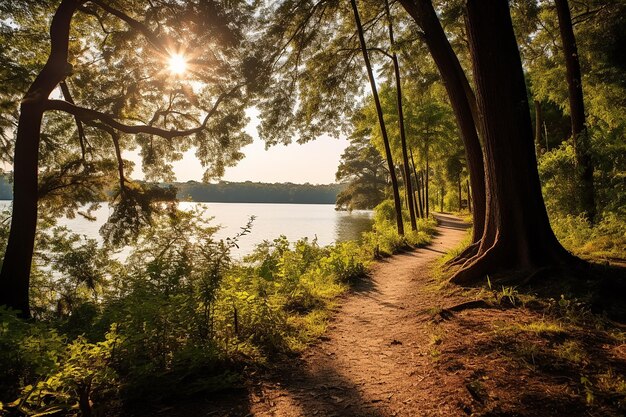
{"type": "Point", "coordinates": [350, 226]}
{"type": "Point", "coordinates": [295, 221]}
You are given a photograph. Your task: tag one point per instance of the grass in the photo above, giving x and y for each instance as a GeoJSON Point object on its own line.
{"type": "Point", "coordinates": [543, 327]}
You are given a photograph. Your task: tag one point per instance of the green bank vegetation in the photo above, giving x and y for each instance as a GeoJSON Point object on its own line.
{"type": "Point", "coordinates": [177, 317]}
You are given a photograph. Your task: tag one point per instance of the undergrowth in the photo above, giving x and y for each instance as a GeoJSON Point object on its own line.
{"type": "Point", "coordinates": [179, 317]}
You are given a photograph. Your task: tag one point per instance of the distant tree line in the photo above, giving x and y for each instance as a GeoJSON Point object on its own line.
{"type": "Point", "coordinates": [235, 192]}
{"type": "Point", "coordinates": [258, 192]}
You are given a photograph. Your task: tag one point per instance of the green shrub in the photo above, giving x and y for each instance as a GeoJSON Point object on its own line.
{"type": "Point", "coordinates": [55, 376]}
{"type": "Point", "coordinates": [606, 238]}
{"type": "Point", "coordinates": [179, 317]}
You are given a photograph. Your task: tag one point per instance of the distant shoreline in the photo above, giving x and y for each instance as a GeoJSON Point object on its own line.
{"type": "Point", "coordinates": [238, 192]}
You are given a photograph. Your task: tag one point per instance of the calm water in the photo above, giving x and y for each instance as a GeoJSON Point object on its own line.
{"type": "Point", "coordinates": [292, 220]}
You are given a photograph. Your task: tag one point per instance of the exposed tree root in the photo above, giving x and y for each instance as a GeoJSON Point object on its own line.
{"type": "Point", "coordinates": [506, 271]}
{"type": "Point", "coordinates": [464, 256]}
{"type": "Point", "coordinates": [477, 267]}
{"type": "Point", "coordinates": [468, 305]}
{"type": "Point", "coordinates": [448, 313]}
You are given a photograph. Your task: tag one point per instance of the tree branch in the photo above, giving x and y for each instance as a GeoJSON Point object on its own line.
{"type": "Point", "coordinates": [88, 115]}
{"type": "Point", "coordinates": [152, 38]}
{"type": "Point", "coordinates": [115, 137]}
{"type": "Point", "coordinates": [79, 125]}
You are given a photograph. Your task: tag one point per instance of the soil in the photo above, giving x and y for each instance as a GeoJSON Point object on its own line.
{"type": "Point", "coordinates": [394, 349]}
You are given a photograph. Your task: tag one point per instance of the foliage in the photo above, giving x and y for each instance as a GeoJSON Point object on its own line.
{"type": "Point", "coordinates": [384, 239]}
{"type": "Point", "coordinates": [605, 239]}
{"type": "Point", "coordinates": [363, 169]}
{"type": "Point", "coordinates": [177, 317]}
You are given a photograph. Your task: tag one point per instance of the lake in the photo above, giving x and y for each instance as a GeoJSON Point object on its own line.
{"type": "Point", "coordinates": [292, 220]}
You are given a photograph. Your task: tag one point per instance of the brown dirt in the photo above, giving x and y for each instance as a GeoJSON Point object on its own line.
{"type": "Point", "coordinates": [390, 352]}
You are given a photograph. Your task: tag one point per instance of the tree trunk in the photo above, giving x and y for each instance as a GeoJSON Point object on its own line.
{"type": "Point", "coordinates": [420, 206]}
{"type": "Point", "coordinates": [517, 233]}
{"type": "Point", "coordinates": [426, 194]}
{"type": "Point", "coordinates": [538, 123]}
{"type": "Point", "coordinates": [15, 274]}
{"type": "Point", "coordinates": [443, 191]}
{"type": "Point", "coordinates": [461, 98]}
{"type": "Point", "coordinates": [381, 121]}
{"type": "Point", "coordinates": [469, 197]}
{"type": "Point", "coordinates": [580, 134]}
{"type": "Point", "coordinates": [460, 195]}
{"type": "Point", "coordinates": [402, 173]}
{"type": "Point", "coordinates": [405, 157]}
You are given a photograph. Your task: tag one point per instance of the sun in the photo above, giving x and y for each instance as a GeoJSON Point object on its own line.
{"type": "Point", "coordinates": [177, 64]}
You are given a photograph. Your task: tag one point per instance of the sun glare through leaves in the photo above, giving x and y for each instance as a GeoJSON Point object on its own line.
{"type": "Point", "coordinates": [177, 64]}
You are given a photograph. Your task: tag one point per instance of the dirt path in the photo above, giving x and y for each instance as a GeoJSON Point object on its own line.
{"type": "Point", "coordinates": [391, 351]}
{"type": "Point", "coordinates": [374, 356]}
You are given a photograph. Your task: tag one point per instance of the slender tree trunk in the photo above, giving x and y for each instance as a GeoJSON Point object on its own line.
{"type": "Point", "coordinates": [415, 202]}
{"type": "Point", "coordinates": [460, 196]}
{"type": "Point", "coordinates": [420, 207]}
{"type": "Point", "coordinates": [538, 123]}
{"type": "Point", "coordinates": [421, 185]}
{"type": "Point", "coordinates": [405, 157]}
{"type": "Point", "coordinates": [517, 233]}
{"type": "Point", "coordinates": [426, 185]}
{"type": "Point", "coordinates": [15, 274]}
{"type": "Point", "coordinates": [402, 172]}
{"type": "Point", "coordinates": [580, 134]}
{"type": "Point", "coordinates": [442, 195]}
{"type": "Point", "coordinates": [461, 98]}
{"type": "Point", "coordinates": [469, 197]}
{"type": "Point", "coordinates": [381, 121]}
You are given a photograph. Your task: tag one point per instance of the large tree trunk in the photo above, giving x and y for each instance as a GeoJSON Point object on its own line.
{"type": "Point", "coordinates": [580, 135]}
{"type": "Point", "coordinates": [381, 120]}
{"type": "Point", "coordinates": [405, 156]}
{"type": "Point", "coordinates": [517, 234]}
{"type": "Point", "coordinates": [15, 274]}
{"type": "Point", "coordinates": [461, 98]}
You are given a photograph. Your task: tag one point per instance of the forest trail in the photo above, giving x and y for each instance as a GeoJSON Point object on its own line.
{"type": "Point", "coordinates": [394, 348]}
{"type": "Point", "coordinates": [375, 359]}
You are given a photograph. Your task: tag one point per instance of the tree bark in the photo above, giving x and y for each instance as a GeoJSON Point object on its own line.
{"type": "Point", "coordinates": [15, 273]}
{"type": "Point", "coordinates": [420, 207]}
{"type": "Point", "coordinates": [517, 234]}
{"type": "Point", "coordinates": [443, 191]}
{"type": "Point", "coordinates": [381, 121]}
{"type": "Point", "coordinates": [461, 98]}
{"type": "Point", "coordinates": [460, 195]}
{"type": "Point", "coordinates": [405, 157]}
{"type": "Point", "coordinates": [426, 187]}
{"type": "Point", "coordinates": [580, 134]}
{"type": "Point", "coordinates": [469, 197]}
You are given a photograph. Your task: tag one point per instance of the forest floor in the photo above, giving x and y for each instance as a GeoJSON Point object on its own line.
{"type": "Point", "coordinates": [395, 348]}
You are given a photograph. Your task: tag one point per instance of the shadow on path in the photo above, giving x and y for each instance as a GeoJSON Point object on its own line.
{"type": "Point", "coordinates": [448, 221]}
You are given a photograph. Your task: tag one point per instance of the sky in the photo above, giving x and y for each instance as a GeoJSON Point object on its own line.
{"type": "Point", "coordinates": [314, 162]}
